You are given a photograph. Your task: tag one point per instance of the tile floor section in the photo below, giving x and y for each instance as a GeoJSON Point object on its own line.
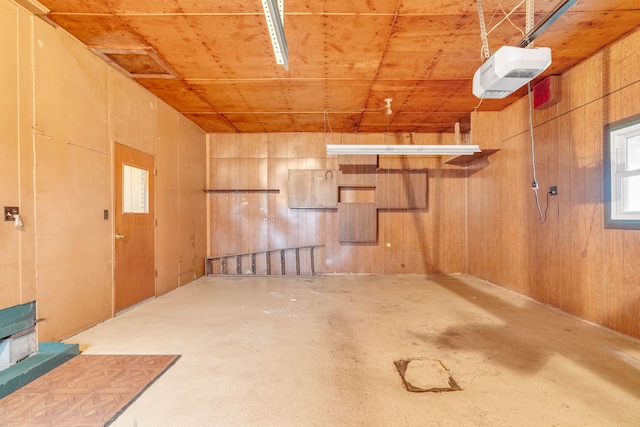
{"type": "Point", "coordinates": [85, 391]}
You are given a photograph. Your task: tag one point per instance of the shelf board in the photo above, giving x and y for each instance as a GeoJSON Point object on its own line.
{"type": "Point", "coordinates": [464, 159]}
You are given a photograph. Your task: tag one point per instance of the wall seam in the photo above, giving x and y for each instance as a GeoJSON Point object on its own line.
{"type": "Point", "coordinates": [18, 141]}
{"type": "Point", "coordinates": [32, 50]}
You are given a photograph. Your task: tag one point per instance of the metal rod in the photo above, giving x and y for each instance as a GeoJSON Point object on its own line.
{"type": "Point", "coordinates": [313, 270]}
{"type": "Point", "coordinates": [253, 264]}
{"type": "Point", "coordinates": [546, 22]}
{"type": "Point", "coordinates": [268, 261]}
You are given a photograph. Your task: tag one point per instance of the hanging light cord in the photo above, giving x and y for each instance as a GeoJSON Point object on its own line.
{"type": "Point", "coordinates": [534, 183]}
{"type": "Point", "coordinates": [327, 122]}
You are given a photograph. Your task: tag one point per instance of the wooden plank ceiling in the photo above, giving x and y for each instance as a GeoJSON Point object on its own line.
{"type": "Point", "coordinates": [213, 60]}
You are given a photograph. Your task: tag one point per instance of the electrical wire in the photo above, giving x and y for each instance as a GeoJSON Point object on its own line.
{"type": "Point", "coordinates": [479, 104]}
{"type": "Point", "coordinates": [327, 122]}
{"type": "Point", "coordinates": [534, 183]}
{"type": "Point", "coordinates": [507, 16]}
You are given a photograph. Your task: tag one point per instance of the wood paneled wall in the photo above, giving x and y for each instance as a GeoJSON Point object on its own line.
{"type": "Point", "coordinates": [409, 241]}
{"type": "Point", "coordinates": [61, 111]}
{"type": "Point", "coordinates": [571, 261]}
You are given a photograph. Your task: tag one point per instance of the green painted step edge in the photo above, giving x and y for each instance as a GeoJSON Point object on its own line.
{"type": "Point", "coordinates": [17, 318]}
{"type": "Point", "coordinates": [49, 356]}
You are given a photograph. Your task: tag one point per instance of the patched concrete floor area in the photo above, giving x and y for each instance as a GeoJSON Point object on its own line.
{"type": "Point", "coordinates": [321, 351]}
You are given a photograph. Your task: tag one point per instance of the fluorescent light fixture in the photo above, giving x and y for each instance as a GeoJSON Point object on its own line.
{"type": "Point", "coordinates": [419, 150]}
{"type": "Point", "coordinates": [275, 22]}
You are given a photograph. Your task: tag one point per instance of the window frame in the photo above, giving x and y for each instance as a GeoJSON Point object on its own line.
{"type": "Point", "coordinates": [610, 163]}
{"type": "Point", "coordinates": [132, 204]}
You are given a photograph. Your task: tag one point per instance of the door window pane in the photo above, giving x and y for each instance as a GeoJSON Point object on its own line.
{"type": "Point", "coordinates": [135, 194]}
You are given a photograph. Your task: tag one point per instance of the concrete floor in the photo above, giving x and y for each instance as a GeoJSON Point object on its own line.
{"type": "Point", "coordinates": [320, 352]}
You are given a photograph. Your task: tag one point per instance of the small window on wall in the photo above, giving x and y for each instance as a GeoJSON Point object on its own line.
{"type": "Point", "coordinates": [135, 192]}
{"type": "Point", "coordinates": [622, 174]}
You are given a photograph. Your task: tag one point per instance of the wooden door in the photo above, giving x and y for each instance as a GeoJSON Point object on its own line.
{"type": "Point", "coordinates": [134, 216]}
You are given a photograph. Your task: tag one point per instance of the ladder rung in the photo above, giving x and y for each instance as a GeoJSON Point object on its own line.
{"type": "Point", "coordinates": [253, 263]}
{"type": "Point", "coordinates": [268, 261]}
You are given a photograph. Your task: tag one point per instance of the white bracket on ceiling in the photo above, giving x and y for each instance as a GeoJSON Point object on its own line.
{"type": "Point", "coordinates": [274, 15]}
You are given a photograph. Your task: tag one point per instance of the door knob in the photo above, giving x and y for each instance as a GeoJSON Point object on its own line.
{"type": "Point", "coordinates": [119, 236]}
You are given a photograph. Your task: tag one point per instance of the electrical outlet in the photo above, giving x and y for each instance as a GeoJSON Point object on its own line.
{"type": "Point", "coordinates": [553, 190]}
{"type": "Point", "coordinates": [10, 211]}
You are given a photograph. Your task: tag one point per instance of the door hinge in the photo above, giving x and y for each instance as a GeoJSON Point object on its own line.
{"type": "Point", "coordinates": [155, 272]}
{"type": "Point", "coordinates": [155, 172]}
{"type": "Point", "coordinates": [155, 222]}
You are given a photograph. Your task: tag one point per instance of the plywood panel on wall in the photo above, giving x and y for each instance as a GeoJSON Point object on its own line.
{"type": "Point", "coordinates": [567, 258]}
{"type": "Point", "coordinates": [10, 287]}
{"type": "Point", "coordinates": [401, 189]}
{"type": "Point", "coordinates": [133, 114]}
{"type": "Point", "coordinates": [192, 200]}
{"type": "Point", "coordinates": [73, 185]}
{"type": "Point", "coordinates": [548, 235]}
{"type": "Point", "coordinates": [167, 210]}
{"type": "Point", "coordinates": [63, 166]}
{"type": "Point", "coordinates": [313, 188]}
{"type": "Point", "coordinates": [140, 121]}
{"type": "Point", "coordinates": [28, 247]}
{"type": "Point", "coordinates": [418, 239]}
{"type": "Point", "coordinates": [357, 170]}
{"type": "Point", "coordinates": [357, 223]}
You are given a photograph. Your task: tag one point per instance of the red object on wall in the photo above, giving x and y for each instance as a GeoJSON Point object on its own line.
{"type": "Point", "coordinates": [547, 93]}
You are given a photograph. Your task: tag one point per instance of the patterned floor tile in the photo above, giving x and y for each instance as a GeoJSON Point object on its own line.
{"type": "Point", "coordinates": [86, 391]}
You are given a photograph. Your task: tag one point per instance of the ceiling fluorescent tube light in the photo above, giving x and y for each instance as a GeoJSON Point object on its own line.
{"type": "Point", "coordinates": [275, 22]}
{"type": "Point", "coordinates": [419, 150]}
{"type": "Point", "coordinates": [508, 70]}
